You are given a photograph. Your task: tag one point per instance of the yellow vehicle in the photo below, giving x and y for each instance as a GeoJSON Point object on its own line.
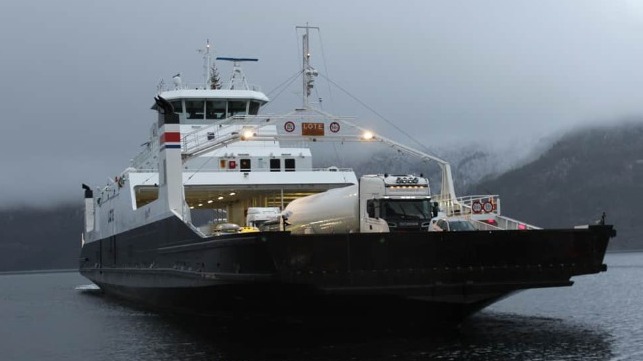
{"type": "Point", "coordinates": [248, 229]}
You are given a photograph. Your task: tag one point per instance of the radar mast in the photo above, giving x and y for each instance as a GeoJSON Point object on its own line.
{"type": "Point", "coordinates": [308, 72]}
{"type": "Point", "coordinates": [207, 63]}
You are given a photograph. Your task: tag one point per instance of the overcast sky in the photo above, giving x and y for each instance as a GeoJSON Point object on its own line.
{"type": "Point", "coordinates": [78, 77]}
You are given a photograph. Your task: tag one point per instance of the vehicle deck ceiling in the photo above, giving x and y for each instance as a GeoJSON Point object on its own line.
{"type": "Point", "coordinates": [264, 196]}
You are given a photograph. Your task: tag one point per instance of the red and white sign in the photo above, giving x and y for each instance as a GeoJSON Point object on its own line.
{"type": "Point", "coordinates": [289, 127]}
{"type": "Point", "coordinates": [476, 207]}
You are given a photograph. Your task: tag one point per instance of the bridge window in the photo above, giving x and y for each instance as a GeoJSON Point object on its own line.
{"type": "Point", "coordinates": [178, 106]}
{"type": "Point", "coordinates": [214, 109]}
{"type": "Point", "coordinates": [194, 108]}
{"type": "Point", "coordinates": [254, 108]}
{"type": "Point", "coordinates": [275, 165]}
{"type": "Point", "coordinates": [236, 108]}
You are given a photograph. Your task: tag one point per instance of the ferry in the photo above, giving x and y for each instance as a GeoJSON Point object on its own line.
{"type": "Point", "coordinates": [339, 246]}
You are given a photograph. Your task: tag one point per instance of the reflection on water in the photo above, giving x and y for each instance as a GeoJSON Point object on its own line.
{"type": "Point", "coordinates": [488, 336]}
{"type": "Point", "coordinates": [514, 337]}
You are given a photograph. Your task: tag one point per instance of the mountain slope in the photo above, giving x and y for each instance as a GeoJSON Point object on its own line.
{"type": "Point", "coordinates": [32, 238]}
{"type": "Point", "coordinates": [585, 173]}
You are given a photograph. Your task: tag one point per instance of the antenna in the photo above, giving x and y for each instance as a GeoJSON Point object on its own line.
{"type": "Point", "coordinates": [309, 73]}
{"type": "Point", "coordinates": [207, 61]}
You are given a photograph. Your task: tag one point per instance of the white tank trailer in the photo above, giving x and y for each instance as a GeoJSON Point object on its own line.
{"type": "Point", "coordinates": [379, 203]}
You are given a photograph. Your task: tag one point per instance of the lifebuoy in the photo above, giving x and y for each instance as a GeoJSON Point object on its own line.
{"type": "Point", "coordinates": [488, 207]}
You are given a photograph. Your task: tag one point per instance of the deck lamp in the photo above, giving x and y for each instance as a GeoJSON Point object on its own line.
{"type": "Point", "coordinates": [368, 135]}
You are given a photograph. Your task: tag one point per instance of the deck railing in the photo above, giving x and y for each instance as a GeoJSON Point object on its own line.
{"type": "Point", "coordinates": [479, 209]}
{"type": "Point", "coordinates": [201, 86]}
{"type": "Point", "coordinates": [267, 170]}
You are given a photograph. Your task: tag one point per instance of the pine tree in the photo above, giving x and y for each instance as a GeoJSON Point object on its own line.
{"type": "Point", "coordinates": [215, 81]}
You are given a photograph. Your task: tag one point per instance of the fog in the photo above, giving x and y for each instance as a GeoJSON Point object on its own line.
{"type": "Point", "coordinates": [79, 77]}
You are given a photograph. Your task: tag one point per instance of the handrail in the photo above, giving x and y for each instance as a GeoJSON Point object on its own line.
{"type": "Point", "coordinates": [484, 226]}
{"type": "Point", "coordinates": [200, 86]}
{"type": "Point", "coordinates": [462, 206]}
{"type": "Point", "coordinates": [510, 223]}
{"type": "Point", "coordinates": [267, 170]}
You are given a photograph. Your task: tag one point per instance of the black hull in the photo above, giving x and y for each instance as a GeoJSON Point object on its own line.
{"type": "Point", "coordinates": [434, 277]}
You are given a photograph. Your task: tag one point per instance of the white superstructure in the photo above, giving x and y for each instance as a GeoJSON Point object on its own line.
{"type": "Point", "coordinates": [212, 152]}
{"type": "Point", "coordinates": [206, 162]}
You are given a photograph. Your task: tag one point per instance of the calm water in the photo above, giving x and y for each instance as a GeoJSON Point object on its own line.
{"type": "Point", "coordinates": [54, 316]}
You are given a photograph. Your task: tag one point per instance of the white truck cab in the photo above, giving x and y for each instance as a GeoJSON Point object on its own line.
{"type": "Point", "coordinates": [401, 202]}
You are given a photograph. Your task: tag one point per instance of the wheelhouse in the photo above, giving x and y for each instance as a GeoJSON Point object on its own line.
{"type": "Point", "coordinates": [204, 106]}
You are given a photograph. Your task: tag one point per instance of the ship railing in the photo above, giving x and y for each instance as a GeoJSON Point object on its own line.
{"type": "Point", "coordinates": [201, 86]}
{"type": "Point", "coordinates": [144, 170]}
{"type": "Point", "coordinates": [215, 134]}
{"type": "Point", "coordinates": [484, 210]}
{"type": "Point", "coordinates": [485, 203]}
{"type": "Point", "coordinates": [144, 155]}
{"type": "Point", "coordinates": [222, 170]}
{"type": "Point", "coordinates": [487, 208]}
{"type": "Point", "coordinates": [202, 137]}
{"type": "Point", "coordinates": [484, 226]}
{"type": "Point", "coordinates": [262, 120]}
{"type": "Point", "coordinates": [205, 137]}
{"type": "Point", "coordinates": [510, 223]}
{"type": "Point", "coordinates": [465, 205]}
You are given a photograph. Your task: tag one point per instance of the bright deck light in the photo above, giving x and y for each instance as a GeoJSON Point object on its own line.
{"type": "Point", "coordinates": [367, 135]}
{"type": "Point", "coordinates": [247, 134]}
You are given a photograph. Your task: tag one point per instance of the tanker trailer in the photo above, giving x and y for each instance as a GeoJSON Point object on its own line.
{"type": "Point", "coordinates": [379, 203]}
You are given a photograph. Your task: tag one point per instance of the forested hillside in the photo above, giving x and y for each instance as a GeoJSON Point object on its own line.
{"type": "Point", "coordinates": [32, 238]}
{"type": "Point", "coordinates": [585, 173]}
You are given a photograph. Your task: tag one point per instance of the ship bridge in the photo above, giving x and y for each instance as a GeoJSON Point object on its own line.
{"type": "Point", "coordinates": [212, 100]}
{"type": "Point", "coordinates": [203, 106]}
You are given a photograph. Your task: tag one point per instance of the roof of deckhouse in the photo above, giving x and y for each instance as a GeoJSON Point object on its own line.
{"type": "Point", "coordinates": [222, 94]}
